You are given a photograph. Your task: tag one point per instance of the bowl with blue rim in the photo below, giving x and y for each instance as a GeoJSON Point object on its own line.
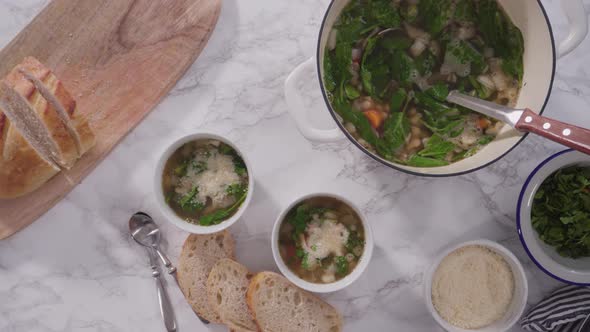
{"type": "Point", "coordinates": [553, 217]}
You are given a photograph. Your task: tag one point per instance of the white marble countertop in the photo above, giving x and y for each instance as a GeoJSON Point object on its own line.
{"type": "Point", "coordinates": [76, 268]}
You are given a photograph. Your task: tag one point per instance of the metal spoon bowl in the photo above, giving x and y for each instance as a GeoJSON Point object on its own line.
{"type": "Point", "coordinates": [145, 232]}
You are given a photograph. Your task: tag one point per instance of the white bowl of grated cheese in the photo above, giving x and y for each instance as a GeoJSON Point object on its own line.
{"type": "Point", "coordinates": [476, 286]}
{"type": "Point", "coordinates": [209, 181]}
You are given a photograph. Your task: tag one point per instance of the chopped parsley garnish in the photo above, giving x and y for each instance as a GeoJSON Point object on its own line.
{"type": "Point", "coordinates": [354, 240]}
{"type": "Point", "coordinates": [561, 211]}
{"type": "Point", "coordinates": [341, 265]}
{"type": "Point", "coordinates": [236, 189]}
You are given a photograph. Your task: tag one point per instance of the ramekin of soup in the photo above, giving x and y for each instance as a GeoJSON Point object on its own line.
{"type": "Point", "coordinates": [322, 242]}
{"type": "Point", "coordinates": [203, 183]}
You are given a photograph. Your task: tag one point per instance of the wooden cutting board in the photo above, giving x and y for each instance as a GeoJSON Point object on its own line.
{"type": "Point", "coordinates": [118, 58]}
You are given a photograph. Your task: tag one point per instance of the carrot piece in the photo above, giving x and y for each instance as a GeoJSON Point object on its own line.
{"type": "Point", "coordinates": [483, 123]}
{"type": "Point", "coordinates": [375, 118]}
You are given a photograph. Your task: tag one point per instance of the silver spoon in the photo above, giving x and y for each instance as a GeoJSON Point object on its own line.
{"type": "Point", "coordinates": [575, 137]}
{"type": "Point", "coordinates": [145, 232]}
{"type": "Point", "coordinates": [148, 235]}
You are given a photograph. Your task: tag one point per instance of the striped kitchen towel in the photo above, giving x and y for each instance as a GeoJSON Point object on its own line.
{"type": "Point", "coordinates": [563, 311]}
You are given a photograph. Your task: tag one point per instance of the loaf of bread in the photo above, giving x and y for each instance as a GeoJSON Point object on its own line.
{"type": "Point", "coordinates": [198, 256]}
{"type": "Point", "coordinates": [279, 306]}
{"type": "Point", "coordinates": [41, 132]}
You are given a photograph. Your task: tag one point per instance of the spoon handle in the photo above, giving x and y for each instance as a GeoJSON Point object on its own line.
{"type": "Point", "coordinates": [164, 301]}
{"type": "Point", "coordinates": [171, 269]}
{"type": "Point", "coordinates": [569, 135]}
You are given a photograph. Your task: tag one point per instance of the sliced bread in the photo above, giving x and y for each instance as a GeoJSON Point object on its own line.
{"type": "Point", "coordinates": [226, 289]}
{"type": "Point", "coordinates": [40, 130]}
{"type": "Point", "coordinates": [22, 169]}
{"type": "Point", "coordinates": [279, 306]}
{"type": "Point", "coordinates": [24, 121]}
{"type": "Point", "coordinates": [49, 99]}
{"type": "Point", "coordinates": [59, 100]}
{"type": "Point", "coordinates": [199, 255]}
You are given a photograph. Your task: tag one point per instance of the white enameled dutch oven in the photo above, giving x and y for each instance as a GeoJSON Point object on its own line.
{"type": "Point", "coordinates": [539, 69]}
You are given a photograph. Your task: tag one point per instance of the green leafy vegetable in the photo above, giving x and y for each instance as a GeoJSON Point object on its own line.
{"type": "Point", "coordinates": [465, 11]}
{"type": "Point", "coordinates": [181, 169]}
{"type": "Point", "coordinates": [398, 100]}
{"type": "Point", "coordinates": [436, 147]}
{"type": "Point", "coordinates": [435, 14]}
{"type": "Point", "coordinates": [485, 140]}
{"type": "Point", "coordinates": [305, 261]}
{"type": "Point", "coordinates": [362, 125]}
{"type": "Point", "coordinates": [236, 190]}
{"type": "Point", "coordinates": [220, 215]}
{"type": "Point", "coordinates": [351, 92]}
{"type": "Point", "coordinates": [199, 166]}
{"type": "Point", "coordinates": [354, 241]}
{"type": "Point", "coordinates": [385, 14]}
{"type": "Point", "coordinates": [561, 211]}
{"type": "Point", "coordinates": [502, 35]}
{"type": "Point", "coordinates": [395, 43]}
{"type": "Point", "coordinates": [189, 202]}
{"type": "Point", "coordinates": [483, 92]}
{"type": "Point", "coordinates": [439, 91]}
{"type": "Point", "coordinates": [341, 265]}
{"type": "Point", "coordinates": [299, 217]}
{"type": "Point", "coordinates": [403, 67]}
{"type": "Point", "coordinates": [465, 53]}
{"type": "Point", "coordinates": [418, 161]}
{"type": "Point", "coordinates": [329, 79]}
{"type": "Point", "coordinates": [395, 130]}
{"type": "Point", "coordinates": [239, 165]}
{"type": "Point", "coordinates": [425, 63]}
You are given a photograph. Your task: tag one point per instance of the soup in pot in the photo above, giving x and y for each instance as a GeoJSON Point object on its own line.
{"type": "Point", "coordinates": [389, 66]}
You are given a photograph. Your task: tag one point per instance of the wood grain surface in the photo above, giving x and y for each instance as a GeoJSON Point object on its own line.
{"type": "Point", "coordinates": [118, 58]}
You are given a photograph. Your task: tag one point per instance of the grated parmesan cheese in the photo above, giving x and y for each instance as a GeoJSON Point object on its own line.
{"type": "Point", "coordinates": [324, 238]}
{"type": "Point", "coordinates": [472, 287]}
{"type": "Point", "coordinates": [212, 182]}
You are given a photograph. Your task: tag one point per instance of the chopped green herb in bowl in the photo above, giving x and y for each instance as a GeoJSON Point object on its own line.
{"type": "Point", "coordinates": [561, 211]}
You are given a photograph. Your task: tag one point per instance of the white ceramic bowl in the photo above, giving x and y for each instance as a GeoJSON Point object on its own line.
{"type": "Point", "coordinates": [170, 215]}
{"type": "Point", "coordinates": [519, 300]}
{"type": "Point", "coordinates": [544, 256]}
{"type": "Point", "coordinates": [339, 284]}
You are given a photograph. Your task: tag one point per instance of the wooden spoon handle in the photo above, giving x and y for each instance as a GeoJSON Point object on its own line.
{"type": "Point", "coordinates": [569, 135]}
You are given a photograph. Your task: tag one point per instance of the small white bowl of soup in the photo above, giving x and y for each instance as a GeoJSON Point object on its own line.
{"type": "Point", "coordinates": [322, 242]}
{"type": "Point", "coordinates": [203, 183]}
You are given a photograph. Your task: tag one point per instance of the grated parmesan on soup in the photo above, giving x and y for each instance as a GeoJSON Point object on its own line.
{"type": "Point", "coordinates": [325, 238]}
{"type": "Point", "coordinates": [212, 182]}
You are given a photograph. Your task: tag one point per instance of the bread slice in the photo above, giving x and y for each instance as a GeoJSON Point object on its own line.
{"type": "Point", "coordinates": [22, 169]}
{"type": "Point", "coordinates": [279, 306]}
{"type": "Point", "coordinates": [50, 100]}
{"type": "Point", "coordinates": [60, 101]}
{"type": "Point", "coordinates": [226, 291]}
{"type": "Point", "coordinates": [24, 119]}
{"type": "Point", "coordinates": [199, 255]}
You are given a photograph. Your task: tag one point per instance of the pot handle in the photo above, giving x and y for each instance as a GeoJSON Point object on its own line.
{"type": "Point", "coordinates": [297, 109]}
{"type": "Point", "coordinates": [578, 20]}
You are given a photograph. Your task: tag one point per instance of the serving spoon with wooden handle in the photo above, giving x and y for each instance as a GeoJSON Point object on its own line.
{"type": "Point", "coordinates": [526, 120]}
